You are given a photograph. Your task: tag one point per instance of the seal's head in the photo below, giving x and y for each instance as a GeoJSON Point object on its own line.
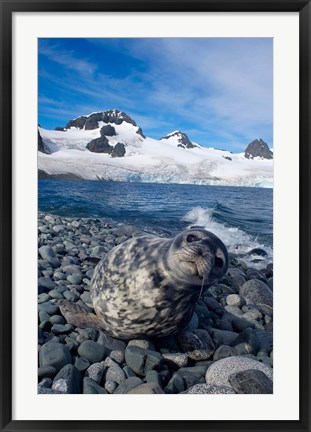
{"type": "Point", "coordinates": [199, 256]}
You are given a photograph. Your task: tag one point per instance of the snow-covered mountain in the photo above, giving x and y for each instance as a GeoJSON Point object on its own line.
{"type": "Point", "coordinates": [110, 146]}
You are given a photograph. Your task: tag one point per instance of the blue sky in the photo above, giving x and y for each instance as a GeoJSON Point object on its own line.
{"type": "Point", "coordinates": [217, 90]}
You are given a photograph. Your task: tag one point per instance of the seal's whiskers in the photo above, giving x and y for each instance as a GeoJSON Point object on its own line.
{"type": "Point", "coordinates": [201, 287]}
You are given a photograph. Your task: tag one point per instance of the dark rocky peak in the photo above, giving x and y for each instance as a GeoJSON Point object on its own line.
{"type": "Point", "coordinates": [91, 121]}
{"type": "Point", "coordinates": [78, 122]}
{"type": "Point", "coordinates": [42, 147]}
{"type": "Point", "coordinates": [258, 148]}
{"type": "Point", "coordinates": [183, 140]}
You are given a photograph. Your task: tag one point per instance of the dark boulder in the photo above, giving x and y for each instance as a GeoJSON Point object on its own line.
{"type": "Point", "coordinates": [79, 122]}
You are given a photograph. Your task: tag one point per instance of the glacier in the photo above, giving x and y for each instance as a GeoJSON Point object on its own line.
{"type": "Point", "coordinates": [166, 160]}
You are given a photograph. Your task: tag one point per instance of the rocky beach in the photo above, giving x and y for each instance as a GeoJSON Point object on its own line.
{"type": "Point", "coordinates": [227, 348]}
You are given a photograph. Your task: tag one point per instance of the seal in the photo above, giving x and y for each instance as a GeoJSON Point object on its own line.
{"type": "Point", "coordinates": [149, 286]}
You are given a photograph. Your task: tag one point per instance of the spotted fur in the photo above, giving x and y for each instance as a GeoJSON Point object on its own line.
{"type": "Point", "coordinates": [148, 286]}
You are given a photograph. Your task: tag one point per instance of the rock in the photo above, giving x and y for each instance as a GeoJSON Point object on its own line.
{"type": "Point", "coordinates": [91, 387]}
{"type": "Point", "coordinates": [237, 282]}
{"type": "Point", "coordinates": [257, 251]}
{"type": "Point", "coordinates": [183, 140]}
{"type": "Point", "coordinates": [86, 297]}
{"type": "Point", "coordinates": [92, 351]}
{"type": "Point", "coordinates": [57, 319]}
{"type": "Point", "coordinates": [234, 310]}
{"type": "Point", "coordinates": [110, 343]}
{"type": "Point", "coordinates": [95, 371]}
{"type": "Point", "coordinates": [141, 343]}
{"type": "Point", "coordinates": [209, 389]}
{"type": "Point", "coordinates": [128, 385]}
{"type": "Point", "coordinates": [44, 390]}
{"type": "Point", "coordinates": [129, 372]}
{"type": "Point", "coordinates": [69, 295]}
{"type": "Point", "coordinates": [197, 344]}
{"type": "Point", "coordinates": [99, 145]}
{"type": "Point", "coordinates": [177, 359]}
{"type": "Point", "coordinates": [211, 303]}
{"type": "Point", "coordinates": [257, 292]}
{"type": "Point", "coordinates": [182, 380]}
{"type": "Point", "coordinates": [118, 356]}
{"type": "Point", "coordinates": [108, 130]}
{"type": "Point", "coordinates": [46, 382]}
{"type": "Point", "coordinates": [153, 376]}
{"type": "Point", "coordinates": [223, 337]}
{"type": "Point", "coordinates": [116, 374]}
{"type": "Point", "coordinates": [110, 386]}
{"type": "Point", "coordinates": [258, 148]}
{"type": "Point", "coordinates": [82, 363]}
{"type": "Point", "coordinates": [45, 284]}
{"type": "Point", "coordinates": [118, 150]}
{"type": "Point", "coordinates": [46, 252]}
{"type": "Point", "coordinates": [47, 372]}
{"type": "Point", "coordinates": [193, 323]}
{"type": "Point", "coordinates": [74, 279]}
{"type": "Point", "coordinates": [54, 354]}
{"type": "Point", "coordinates": [219, 290]}
{"type": "Point", "coordinates": [256, 339]}
{"type": "Point", "coordinates": [68, 380]}
{"type": "Point", "coordinates": [48, 307]}
{"type": "Point", "coordinates": [198, 369]}
{"type": "Point", "coordinates": [224, 351]}
{"type": "Point", "coordinates": [235, 300]}
{"type": "Point", "coordinates": [218, 373]}
{"type": "Point", "coordinates": [43, 316]}
{"type": "Point", "coordinates": [44, 297]}
{"type": "Point", "coordinates": [251, 381]}
{"type": "Point", "coordinates": [72, 269]}
{"type": "Point", "coordinates": [141, 360]}
{"type": "Point", "coordinates": [240, 324]}
{"type": "Point", "coordinates": [88, 333]}
{"type": "Point", "coordinates": [168, 343]}
{"type": "Point", "coordinates": [61, 328]}
{"type": "Point", "coordinates": [147, 388]}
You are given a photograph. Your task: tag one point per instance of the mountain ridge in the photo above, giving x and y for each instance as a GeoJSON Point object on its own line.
{"type": "Point", "coordinates": [109, 145]}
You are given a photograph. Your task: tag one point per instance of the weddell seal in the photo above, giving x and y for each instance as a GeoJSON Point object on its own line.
{"type": "Point", "coordinates": [148, 285]}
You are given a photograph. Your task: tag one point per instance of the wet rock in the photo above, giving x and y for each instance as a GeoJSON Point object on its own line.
{"type": "Point", "coordinates": [218, 373]}
{"type": "Point", "coordinates": [141, 360]}
{"type": "Point", "coordinates": [209, 389]}
{"type": "Point", "coordinates": [147, 388]}
{"type": "Point", "coordinates": [92, 387]}
{"type": "Point", "coordinates": [198, 345]}
{"type": "Point", "coordinates": [128, 385]}
{"type": "Point", "coordinates": [251, 381]}
{"type": "Point", "coordinates": [68, 380]}
{"type": "Point", "coordinates": [54, 354]}
{"type": "Point", "coordinates": [257, 292]}
{"type": "Point", "coordinates": [177, 359]}
{"type": "Point", "coordinates": [92, 351]}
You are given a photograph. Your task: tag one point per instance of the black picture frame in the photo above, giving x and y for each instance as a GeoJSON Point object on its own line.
{"type": "Point", "coordinates": [7, 9]}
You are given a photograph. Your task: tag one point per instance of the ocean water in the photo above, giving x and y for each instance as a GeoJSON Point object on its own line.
{"type": "Point", "coordinates": [241, 216]}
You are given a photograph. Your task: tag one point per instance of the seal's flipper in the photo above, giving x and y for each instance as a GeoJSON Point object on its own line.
{"type": "Point", "coordinates": [77, 316]}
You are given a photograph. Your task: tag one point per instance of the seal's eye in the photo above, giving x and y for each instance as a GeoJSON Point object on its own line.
{"type": "Point", "coordinates": [191, 238]}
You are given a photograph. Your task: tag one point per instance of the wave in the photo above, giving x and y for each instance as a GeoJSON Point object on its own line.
{"type": "Point", "coordinates": [236, 240]}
